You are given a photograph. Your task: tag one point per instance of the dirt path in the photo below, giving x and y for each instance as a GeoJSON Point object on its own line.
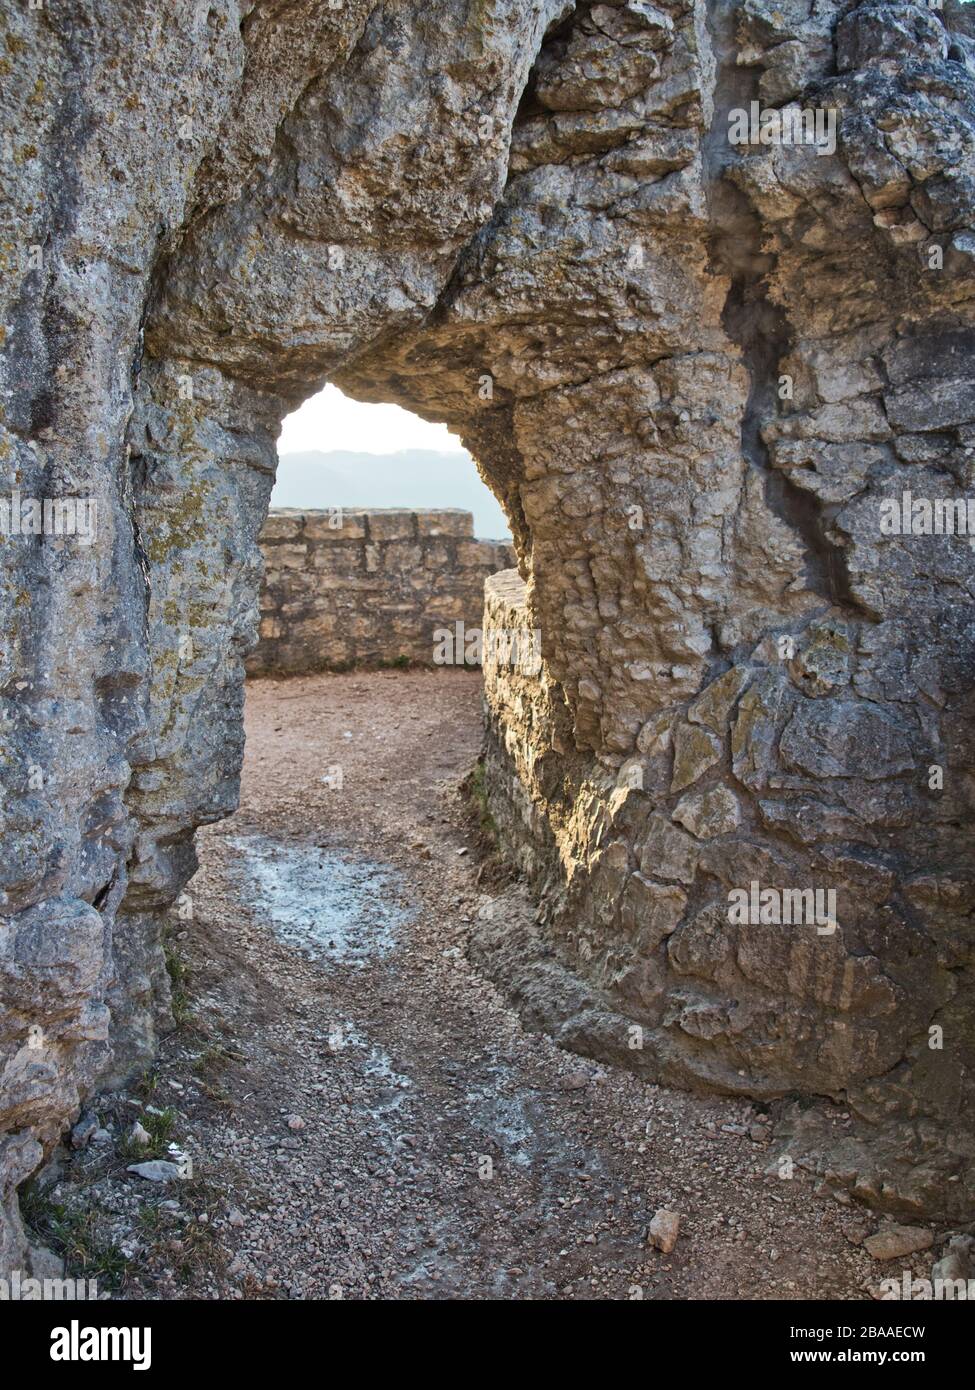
{"type": "Point", "coordinates": [366, 1115]}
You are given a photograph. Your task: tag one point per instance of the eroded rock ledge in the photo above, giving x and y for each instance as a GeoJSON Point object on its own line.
{"type": "Point", "coordinates": [692, 371]}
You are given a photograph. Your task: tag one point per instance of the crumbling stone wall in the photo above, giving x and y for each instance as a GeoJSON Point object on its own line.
{"type": "Point", "coordinates": [370, 587]}
{"type": "Point", "coordinates": [693, 371]}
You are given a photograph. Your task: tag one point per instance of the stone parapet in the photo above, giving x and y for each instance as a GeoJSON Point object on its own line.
{"type": "Point", "coordinates": [371, 587]}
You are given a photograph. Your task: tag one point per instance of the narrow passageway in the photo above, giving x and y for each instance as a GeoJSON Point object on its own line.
{"type": "Point", "coordinates": [381, 1125]}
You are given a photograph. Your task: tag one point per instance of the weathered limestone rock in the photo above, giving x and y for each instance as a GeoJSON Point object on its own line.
{"type": "Point", "coordinates": [663, 1230]}
{"type": "Point", "coordinates": [897, 1242]}
{"type": "Point", "coordinates": [704, 814]}
{"type": "Point", "coordinates": [847, 719]}
{"type": "Point", "coordinates": [698, 375]}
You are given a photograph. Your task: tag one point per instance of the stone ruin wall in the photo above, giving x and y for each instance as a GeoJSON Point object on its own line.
{"type": "Point", "coordinates": [523, 218]}
{"type": "Point", "coordinates": [346, 588]}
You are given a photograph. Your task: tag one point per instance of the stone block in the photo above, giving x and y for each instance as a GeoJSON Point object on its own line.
{"type": "Point", "coordinates": [475, 553]}
{"type": "Point", "coordinates": [390, 525]}
{"type": "Point", "coordinates": [282, 525]}
{"type": "Point", "coordinates": [449, 522]}
{"type": "Point", "coordinates": [287, 557]}
{"type": "Point", "coordinates": [337, 558]}
{"type": "Point", "coordinates": [401, 558]}
{"type": "Point", "coordinates": [337, 525]}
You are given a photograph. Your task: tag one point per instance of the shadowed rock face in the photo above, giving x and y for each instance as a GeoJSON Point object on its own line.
{"type": "Point", "coordinates": [692, 370]}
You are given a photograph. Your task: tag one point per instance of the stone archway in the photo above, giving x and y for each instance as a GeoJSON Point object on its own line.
{"type": "Point", "coordinates": [692, 372]}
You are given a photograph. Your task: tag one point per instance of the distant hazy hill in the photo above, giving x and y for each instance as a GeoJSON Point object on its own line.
{"type": "Point", "coordinates": [410, 478]}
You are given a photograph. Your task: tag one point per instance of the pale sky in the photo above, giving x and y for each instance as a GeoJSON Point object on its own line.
{"type": "Point", "coordinates": [332, 421]}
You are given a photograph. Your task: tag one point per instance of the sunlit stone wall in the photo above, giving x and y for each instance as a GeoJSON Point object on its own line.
{"type": "Point", "coordinates": [346, 588]}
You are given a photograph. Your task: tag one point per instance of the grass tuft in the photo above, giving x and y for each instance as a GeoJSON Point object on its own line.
{"type": "Point", "coordinates": [73, 1235]}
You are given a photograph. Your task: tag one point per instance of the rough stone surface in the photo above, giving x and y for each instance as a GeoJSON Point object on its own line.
{"type": "Point", "coordinates": [954, 1265]}
{"type": "Point", "coordinates": [664, 1229]}
{"type": "Point", "coordinates": [156, 1170]}
{"type": "Point", "coordinates": [705, 814]}
{"type": "Point", "coordinates": [897, 1241]}
{"type": "Point", "coordinates": [348, 588]}
{"type": "Point", "coordinates": [753, 596]}
{"type": "Point", "coordinates": [692, 371]}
